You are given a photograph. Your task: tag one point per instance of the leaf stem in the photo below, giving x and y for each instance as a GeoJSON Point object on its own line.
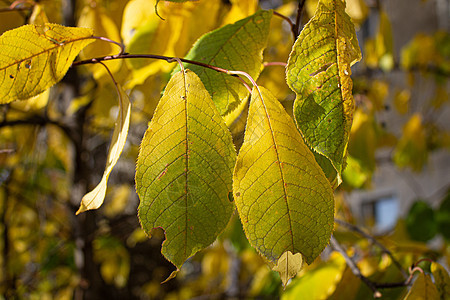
{"type": "Point", "coordinates": [122, 46]}
{"type": "Point", "coordinates": [287, 20]}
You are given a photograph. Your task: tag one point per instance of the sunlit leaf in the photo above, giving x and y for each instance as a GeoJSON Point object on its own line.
{"type": "Point", "coordinates": [283, 198]}
{"type": "Point", "coordinates": [184, 169]}
{"type": "Point", "coordinates": [102, 25]}
{"type": "Point", "coordinates": [318, 71]}
{"type": "Point", "coordinates": [94, 199]}
{"type": "Point", "coordinates": [240, 9]}
{"type": "Point", "coordinates": [422, 289]}
{"type": "Point", "coordinates": [33, 58]}
{"type": "Point", "coordinates": [317, 283]}
{"type": "Point", "coordinates": [441, 279]}
{"type": "Point", "coordinates": [288, 266]}
{"type": "Point", "coordinates": [236, 46]}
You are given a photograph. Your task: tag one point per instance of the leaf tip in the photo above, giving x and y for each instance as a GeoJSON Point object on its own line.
{"type": "Point", "coordinates": [171, 276]}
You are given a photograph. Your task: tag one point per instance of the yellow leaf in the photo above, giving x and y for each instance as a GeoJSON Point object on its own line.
{"type": "Point", "coordinates": [283, 198]}
{"type": "Point", "coordinates": [412, 147]}
{"type": "Point", "coordinates": [319, 282]}
{"type": "Point", "coordinates": [423, 289]}
{"type": "Point", "coordinates": [102, 25]}
{"type": "Point", "coordinates": [38, 17]}
{"type": "Point", "coordinates": [240, 9]}
{"type": "Point", "coordinates": [288, 266]}
{"type": "Point", "coordinates": [401, 101]}
{"type": "Point", "coordinates": [33, 58]}
{"type": "Point", "coordinates": [377, 94]}
{"type": "Point", "coordinates": [357, 10]}
{"type": "Point", "coordinates": [94, 198]}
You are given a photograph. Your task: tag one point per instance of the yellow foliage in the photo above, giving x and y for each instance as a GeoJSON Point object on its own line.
{"type": "Point", "coordinates": [96, 18]}
{"type": "Point", "coordinates": [411, 149]}
{"type": "Point", "coordinates": [240, 9]}
{"type": "Point", "coordinates": [401, 101]}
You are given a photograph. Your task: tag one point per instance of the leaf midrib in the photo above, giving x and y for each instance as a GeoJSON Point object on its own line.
{"type": "Point", "coordinates": [44, 51]}
{"type": "Point", "coordinates": [279, 166]}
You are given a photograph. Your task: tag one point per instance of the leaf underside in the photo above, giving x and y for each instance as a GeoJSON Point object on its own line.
{"type": "Point", "coordinates": [237, 46]}
{"type": "Point", "coordinates": [184, 169]}
{"type": "Point", "coordinates": [35, 57]}
{"type": "Point", "coordinates": [318, 71]}
{"type": "Point", "coordinates": [94, 199]}
{"type": "Point", "coordinates": [283, 198]}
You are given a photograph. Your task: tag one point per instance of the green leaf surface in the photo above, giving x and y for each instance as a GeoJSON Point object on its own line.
{"type": "Point", "coordinates": [35, 57]}
{"type": "Point", "coordinates": [283, 198]}
{"type": "Point", "coordinates": [318, 71]}
{"type": "Point", "coordinates": [184, 169]}
{"type": "Point", "coordinates": [237, 46]}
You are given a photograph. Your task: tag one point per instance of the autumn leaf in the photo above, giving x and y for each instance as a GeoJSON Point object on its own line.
{"type": "Point", "coordinates": [102, 25]}
{"type": "Point", "coordinates": [184, 169]}
{"type": "Point", "coordinates": [237, 46]}
{"type": "Point", "coordinates": [441, 279]}
{"type": "Point", "coordinates": [318, 71]}
{"type": "Point", "coordinates": [34, 57]}
{"type": "Point", "coordinates": [423, 288]}
{"type": "Point", "coordinates": [94, 199]}
{"type": "Point", "coordinates": [283, 198]}
{"type": "Point", "coordinates": [411, 149]}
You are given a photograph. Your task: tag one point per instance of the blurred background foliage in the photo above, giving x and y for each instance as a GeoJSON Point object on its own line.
{"type": "Point", "coordinates": [53, 150]}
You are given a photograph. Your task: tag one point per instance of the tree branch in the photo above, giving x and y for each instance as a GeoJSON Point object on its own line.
{"type": "Point", "coordinates": [355, 270]}
{"type": "Point", "coordinates": [374, 241]}
{"type": "Point", "coordinates": [298, 21]}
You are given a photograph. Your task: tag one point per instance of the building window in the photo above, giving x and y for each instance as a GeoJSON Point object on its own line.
{"type": "Point", "coordinates": [381, 213]}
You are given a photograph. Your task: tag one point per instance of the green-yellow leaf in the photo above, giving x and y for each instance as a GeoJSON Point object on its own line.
{"type": "Point", "coordinates": [422, 289]}
{"type": "Point", "coordinates": [94, 199]}
{"type": "Point", "coordinates": [184, 169]}
{"type": "Point", "coordinates": [318, 71]}
{"type": "Point", "coordinates": [237, 46]}
{"type": "Point", "coordinates": [283, 198]}
{"type": "Point", "coordinates": [441, 279]}
{"type": "Point", "coordinates": [288, 266]}
{"type": "Point", "coordinates": [319, 282]}
{"type": "Point", "coordinates": [34, 57]}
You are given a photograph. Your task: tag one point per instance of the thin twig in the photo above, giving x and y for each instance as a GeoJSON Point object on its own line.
{"type": "Point", "coordinates": [298, 21]}
{"type": "Point", "coordinates": [355, 270]}
{"type": "Point", "coordinates": [152, 56]}
{"type": "Point", "coordinates": [374, 241]}
{"type": "Point", "coordinates": [294, 33]}
{"type": "Point", "coordinates": [9, 9]}
{"type": "Point", "coordinates": [101, 38]}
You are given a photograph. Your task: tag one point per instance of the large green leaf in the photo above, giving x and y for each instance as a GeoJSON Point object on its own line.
{"type": "Point", "coordinates": [318, 71]}
{"type": "Point", "coordinates": [184, 169]}
{"type": "Point", "coordinates": [35, 57]}
{"type": "Point", "coordinates": [237, 46]}
{"type": "Point", "coordinates": [283, 197]}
